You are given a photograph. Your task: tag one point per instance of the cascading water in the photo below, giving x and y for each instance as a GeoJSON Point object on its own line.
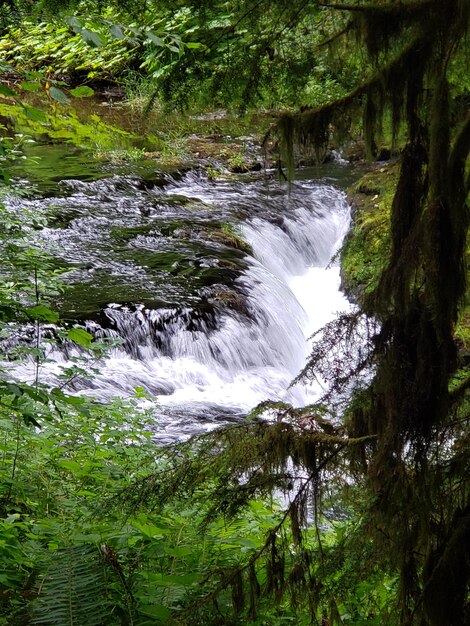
{"type": "Point", "coordinates": [206, 358]}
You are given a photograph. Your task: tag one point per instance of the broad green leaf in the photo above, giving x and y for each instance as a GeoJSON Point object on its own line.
{"type": "Point", "coordinates": [244, 541]}
{"type": "Point", "coordinates": [58, 95]}
{"type": "Point", "coordinates": [80, 336]}
{"type": "Point", "coordinates": [30, 86]}
{"type": "Point", "coordinates": [91, 38]}
{"type": "Point", "coordinates": [7, 91]}
{"type": "Point", "coordinates": [74, 22]}
{"type": "Point", "coordinates": [149, 530]}
{"type": "Point", "coordinates": [87, 494]}
{"type": "Point", "coordinates": [73, 400]}
{"type": "Point", "coordinates": [58, 394]}
{"type": "Point", "coordinates": [177, 551]}
{"type": "Point", "coordinates": [171, 580]}
{"type": "Point", "coordinates": [71, 466]}
{"type": "Point", "coordinates": [36, 394]}
{"type": "Point", "coordinates": [157, 611]}
{"type": "Point", "coordinates": [83, 410]}
{"type": "Point", "coordinates": [116, 32]}
{"type": "Point", "coordinates": [13, 389]}
{"type": "Point", "coordinates": [7, 312]}
{"type": "Point", "coordinates": [155, 39]}
{"type": "Point", "coordinates": [41, 312]}
{"type": "Point", "coordinates": [34, 114]}
{"type": "Point", "coordinates": [194, 45]}
{"type": "Point", "coordinates": [82, 92]}
{"type": "Point", "coordinates": [158, 73]}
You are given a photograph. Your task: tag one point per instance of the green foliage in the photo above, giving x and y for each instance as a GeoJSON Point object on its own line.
{"type": "Point", "coordinates": [10, 151]}
{"type": "Point", "coordinates": [57, 49]}
{"type": "Point", "coordinates": [372, 522]}
{"type": "Point", "coordinates": [73, 550]}
{"type": "Point", "coordinates": [68, 526]}
{"type": "Point", "coordinates": [72, 589]}
{"type": "Point", "coordinates": [252, 53]}
{"type": "Point", "coordinates": [65, 126]}
{"type": "Point", "coordinates": [99, 525]}
{"type": "Point", "coordinates": [193, 55]}
{"type": "Point", "coordinates": [132, 155]}
{"type": "Point", "coordinates": [366, 250]}
{"type": "Point", "coordinates": [11, 148]}
{"type": "Point", "coordinates": [97, 47]}
{"type": "Point", "coordinates": [409, 359]}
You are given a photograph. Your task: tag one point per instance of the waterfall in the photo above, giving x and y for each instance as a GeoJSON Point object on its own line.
{"type": "Point", "coordinates": [203, 362]}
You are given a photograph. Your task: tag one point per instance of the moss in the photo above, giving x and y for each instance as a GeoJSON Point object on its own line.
{"type": "Point", "coordinates": [230, 237]}
{"type": "Point", "coordinates": [53, 123]}
{"type": "Point", "coordinates": [462, 329]}
{"type": "Point", "coordinates": [366, 249]}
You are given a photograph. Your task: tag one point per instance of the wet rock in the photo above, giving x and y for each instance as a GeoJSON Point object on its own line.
{"type": "Point", "coordinates": [228, 238]}
{"type": "Point", "coordinates": [186, 201]}
{"type": "Point", "coordinates": [228, 298]}
{"type": "Point", "coordinates": [239, 169]}
{"type": "Point", "coordinates": [222, 234]}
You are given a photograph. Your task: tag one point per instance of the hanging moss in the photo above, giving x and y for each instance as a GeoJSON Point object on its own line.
{"type": "Point", "coordinates": [422, 284]}
{"type": "Point", "coordinates": [404, 438]}
{"type": "Point", "coordinates": [446, 574]}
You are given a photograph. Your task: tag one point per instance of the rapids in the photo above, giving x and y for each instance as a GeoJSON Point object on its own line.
{"type": "Point", "coordinates": [207, 327]}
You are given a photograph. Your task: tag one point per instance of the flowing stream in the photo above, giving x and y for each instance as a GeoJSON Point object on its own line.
{"type": "Point", "coordinates": [211, 287]}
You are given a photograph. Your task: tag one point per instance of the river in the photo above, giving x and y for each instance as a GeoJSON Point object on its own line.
{"type": "Point", "coordinates": [212, 287]}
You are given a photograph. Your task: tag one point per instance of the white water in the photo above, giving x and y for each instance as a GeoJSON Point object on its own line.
{"type": "Point", "coordinates": [227, 366]}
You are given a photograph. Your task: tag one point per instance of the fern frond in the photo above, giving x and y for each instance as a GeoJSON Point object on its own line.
{"type": "Point", "coordinates": [72, 590]}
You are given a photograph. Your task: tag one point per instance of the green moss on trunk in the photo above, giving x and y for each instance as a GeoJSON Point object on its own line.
{"type": "Point", "coordinates": [366, 250]}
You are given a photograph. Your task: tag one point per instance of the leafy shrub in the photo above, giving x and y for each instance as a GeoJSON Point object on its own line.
{"type": "Point", "coordinates": [56, 48]}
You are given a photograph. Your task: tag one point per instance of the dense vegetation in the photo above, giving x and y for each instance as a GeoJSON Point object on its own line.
{"type": "Point", "coordinates": [207, 54]}
{"type": "Point", "coordinates": [99, 525]}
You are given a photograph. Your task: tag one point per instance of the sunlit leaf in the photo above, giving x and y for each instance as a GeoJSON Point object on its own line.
{"type": "Point", "coordinates": [71, 466]}
{"type": "Point", "coordinates": [30, 86]}
{"type": "Point", "coordinates": [155, 39]}
{"type": "Point", "coordinates": [87, 494]}
{"type": "Point", "coordinates": [194, 45]}
{"type": "Point", "coordinates": [80, 336]}
{"type": "Point", "coordinates": [82, 92]}
{"type": "Point", "coordinates": [43, 313]}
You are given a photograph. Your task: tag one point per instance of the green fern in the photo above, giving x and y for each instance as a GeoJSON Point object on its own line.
{"type": "Point", "coordinates": [72, 591]}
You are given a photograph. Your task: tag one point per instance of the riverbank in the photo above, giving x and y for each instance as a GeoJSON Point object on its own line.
{"type": "Point", "coordinates": [367, 246]}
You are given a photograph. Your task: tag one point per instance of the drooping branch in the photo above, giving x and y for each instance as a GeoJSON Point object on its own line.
{"type": "Point", "coordinates": [312, 126]}
{"type": "Point", "coordinates": [402, 9]}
